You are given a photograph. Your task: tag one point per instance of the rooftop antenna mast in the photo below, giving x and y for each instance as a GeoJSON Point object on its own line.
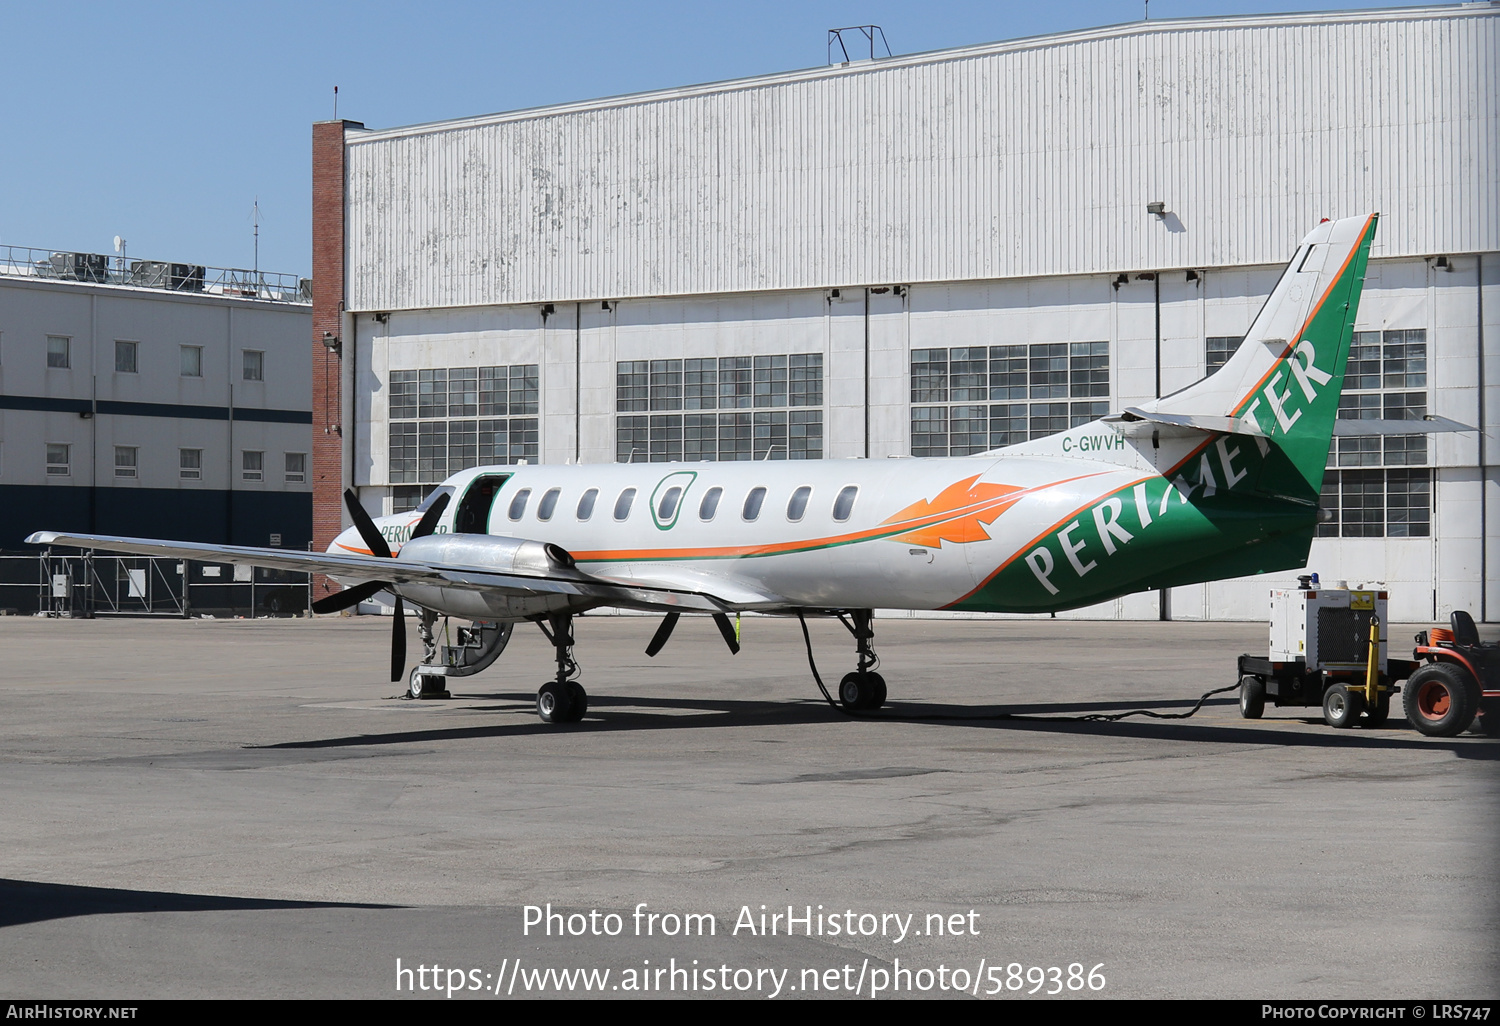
{"type": "Point", "coordinates": [336, 97]}
{"type": "Point", "coordinates": [255, 220]}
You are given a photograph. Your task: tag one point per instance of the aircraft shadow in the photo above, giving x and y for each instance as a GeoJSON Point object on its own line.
{"type": "Point", "coordinates": [27, 901]}
{"type": "Point", "coordinates": [636, 713]}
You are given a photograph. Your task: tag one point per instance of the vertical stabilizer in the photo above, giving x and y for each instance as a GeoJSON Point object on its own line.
{"type": "Point", "coordinates": [1284, 380]}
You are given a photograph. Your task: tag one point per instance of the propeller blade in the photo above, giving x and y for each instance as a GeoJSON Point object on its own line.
{"type": "Point", "coordinates": [662, 633]}
{"type": "Point", "coordinates": [366, 527]}
{"type": "Point", "coordinates": [398, 642]}
{"type": "Point", "coordinates": [429, 520]}
{"type": "Point", "coordinates": [727, 629]}
{"type": "Point", "coordinates": [348, 597]}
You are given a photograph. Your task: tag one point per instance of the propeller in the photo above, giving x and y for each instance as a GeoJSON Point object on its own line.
{"type": "Point", "coordinates": [669, 624]}
{"type": "Point", "coordinates": [378, 547]}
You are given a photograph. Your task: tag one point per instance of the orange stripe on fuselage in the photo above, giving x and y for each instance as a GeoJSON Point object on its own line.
{"type": "Point", "coordinates": [782, 548]}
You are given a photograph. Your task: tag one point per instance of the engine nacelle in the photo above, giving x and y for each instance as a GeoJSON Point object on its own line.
{"type": "Point", "coordinates": [489, 552]}
{"type": "Point", "coordinates": [517, 556]}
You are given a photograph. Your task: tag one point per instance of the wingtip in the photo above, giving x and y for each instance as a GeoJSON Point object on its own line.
{"type": "Point", "coordinates": [41, 537]}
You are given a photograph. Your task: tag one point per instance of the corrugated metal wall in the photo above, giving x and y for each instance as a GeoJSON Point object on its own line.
{"type": "Point", "coordinates": [1016, 159]}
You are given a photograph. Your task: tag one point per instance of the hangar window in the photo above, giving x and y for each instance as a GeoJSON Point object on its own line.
{"type": "Point", "coordinates": [1385, 379]}
{"type": "Point", "coordinates": [1218, 349]}
{"type": "Point", "coordinates": [518, 504]}
{"type": "Point", "coordinates": [125, 357]}
{"type": "Point", "coordinates": [125, 460]}
{"type": "Point", "coordinates": [447, 419]}
{"type": "Point", "coordinates": [57, 351]}
{"type": "Point", "coordinates": [192, 361]}
{"type": "Point", "coordinates": [253, 365]}
{"type": "Point", "coordinates": [59, 462]}
{"type": "Point", "coordinates": [252, 465]}
{"type": "Point", "coordinates": [781, 396]}
{"type": "Point", "coordinates": [967, 399]}
{"type": "Point", "coordinates": [296, 467]}
{"type": "Point", "coordinates": [190, 464]}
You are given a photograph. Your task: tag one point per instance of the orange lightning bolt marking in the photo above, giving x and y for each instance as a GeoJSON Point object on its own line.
{"type": "Point", "coordinates": [965, 509]}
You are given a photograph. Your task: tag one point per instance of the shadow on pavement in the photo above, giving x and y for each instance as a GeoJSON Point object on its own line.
{"type": "Point", "coordinates": [25, 901]}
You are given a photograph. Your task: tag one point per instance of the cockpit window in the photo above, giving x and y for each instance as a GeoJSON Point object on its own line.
{"type": "Point", "coordinates": [548, 504]}
{"type": "Point", "coordinates": [622, 504]}
{"type": "Point", "coordinates": [753, 502]}
{"type": "Point", "coordinates": [586, 503]}
{"type": "Point", "coordinates": [518, 504]}
{"type": "Point", "coordinates": [844, 504]}
{"type": "Point", "coordinates": [432, 496]}
{"type": "Point", "coordinates": [710, 504]}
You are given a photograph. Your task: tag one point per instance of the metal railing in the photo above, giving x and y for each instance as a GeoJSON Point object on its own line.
{"type": "Point", "coordinates": [98, 269]}
{"type": "Point", "coordinates": [76, 584]}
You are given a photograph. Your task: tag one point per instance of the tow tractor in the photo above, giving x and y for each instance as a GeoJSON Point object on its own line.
{"type": "Point", "coordinates": [1327, 650]}
{"type": "Point", "coordinates": [1459, 678]}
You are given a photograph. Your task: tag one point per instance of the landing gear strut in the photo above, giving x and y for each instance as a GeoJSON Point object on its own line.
{"type": "Point", "coordinates": [562, 700]}
{"type": "Point", "coordinates": [863, 688]}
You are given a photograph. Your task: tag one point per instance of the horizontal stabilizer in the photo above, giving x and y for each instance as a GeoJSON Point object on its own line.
{"type": "Point", "coordinates": [1197, 421]}
{"type": "Point", "coordinates": [1428, 425]}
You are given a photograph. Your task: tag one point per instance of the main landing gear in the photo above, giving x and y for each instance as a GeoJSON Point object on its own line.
{"type": "Point", "coordinates": [562, 700]}
{"type": "Point", "coordinates": [863, 688]}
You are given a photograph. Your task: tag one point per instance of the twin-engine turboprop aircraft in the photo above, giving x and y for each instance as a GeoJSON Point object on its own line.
{"type": "Point", "coordinates": [1218, 480]}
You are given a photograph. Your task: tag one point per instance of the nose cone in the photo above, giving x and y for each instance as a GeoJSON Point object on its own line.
{"type": "Point", "coordinates": [350, 541]}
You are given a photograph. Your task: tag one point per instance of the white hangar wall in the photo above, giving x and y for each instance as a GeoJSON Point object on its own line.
{"type": "Point", "coordinates": [1017, 159]}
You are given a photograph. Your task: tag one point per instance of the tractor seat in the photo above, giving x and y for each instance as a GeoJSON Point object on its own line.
{"type": "Point", "coordinates": [1464, 631]}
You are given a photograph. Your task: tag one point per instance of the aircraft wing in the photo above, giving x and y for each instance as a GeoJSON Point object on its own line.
{"type": "Point", "coordinates": [355, 568]}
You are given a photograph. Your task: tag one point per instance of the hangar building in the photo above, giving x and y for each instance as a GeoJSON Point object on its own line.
{"type": "Point", "coordinates": [934, 255]}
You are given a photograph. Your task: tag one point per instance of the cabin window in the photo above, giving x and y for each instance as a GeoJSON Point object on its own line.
{"type": "Point", "coordinates": [798, 504]}
{"type": "Point", "coordinates": [753, 503]}
{"type": "Point", "coordinates": [548, 504]}
{"type": "Point", "coordinates": [667, 508]}
{"type": "Point", "coordinates": [518, 504]}
{"type": "Point", "coordinates": [586, 503]}
{"type": "Point", "coordinates": [710, 504]}
{"type": "Point", "coordinates": [622, 504]}
{"type": "Point", "coordinates": [843, 506]}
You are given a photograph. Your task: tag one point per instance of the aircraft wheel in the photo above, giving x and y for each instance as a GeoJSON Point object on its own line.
{"type": "Point", "coordinates": [1341, 707]}
{"type": "Point", "coordinates": [1377, 714]}
{"type": "Point", "coordinates": [1252, 697]}
{"type": "Point", "coordinates": [580, 700]}
{"type": "Point", "coordinates": [1441, 699]}
{"type": "Point", "coordinates": [553, 703]}
{"type": "Point", "coordinates": [861, 691]}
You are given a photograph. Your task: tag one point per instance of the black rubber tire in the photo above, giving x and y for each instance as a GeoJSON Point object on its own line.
{"type": "Point", "coordinates": [1342, 707]}
{"type": "Point", "coordinates": [1377, 714]}
{"type": "Point", "coordinates": [580, 700]}
{"type": "Point", "coordinates": [553, 703]}
{"type": "Point", "coordinates": [1441, 699]}
{"type": "Point", "coordinates": [861, 691]}
{"type": "Point", "coordinates": [1252, 697]}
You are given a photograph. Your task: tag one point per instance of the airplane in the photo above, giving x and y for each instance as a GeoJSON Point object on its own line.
{"type": "Point", "coordinates": [1219, 479]}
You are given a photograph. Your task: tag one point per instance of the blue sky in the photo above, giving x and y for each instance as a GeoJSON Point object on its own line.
{"type": "Point", "coordinates": [163, 122]}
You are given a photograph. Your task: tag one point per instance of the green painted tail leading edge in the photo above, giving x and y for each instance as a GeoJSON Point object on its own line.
{"type": "Point", "coordinates": [1239, 504]}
